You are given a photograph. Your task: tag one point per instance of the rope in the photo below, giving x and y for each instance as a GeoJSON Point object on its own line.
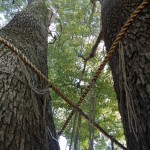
{"type": "Point", "coordinates": [107, 58]}
{"type": "Point", "coordinates": [99, 70]}
{"type": "Point", "coordinates": [65, 98]}
{"type": "Point", "coordinates": [43, 77]}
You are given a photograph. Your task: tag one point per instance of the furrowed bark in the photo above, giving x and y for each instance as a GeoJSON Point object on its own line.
{"type": "Point", "coordinates": [26, 120]}
{"type": "Point", "coordinates": [130, 68]}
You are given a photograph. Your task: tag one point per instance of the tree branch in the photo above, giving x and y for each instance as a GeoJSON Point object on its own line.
{"type": "Point", "coordinates": [95, 46]}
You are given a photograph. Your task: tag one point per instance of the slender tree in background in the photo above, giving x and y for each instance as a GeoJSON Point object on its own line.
{"type": "Point", "coordinates": [26, 121]}
{"type": "Point", "coordinates": [130, 68]}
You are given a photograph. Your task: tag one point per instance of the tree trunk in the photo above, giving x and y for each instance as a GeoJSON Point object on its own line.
{"type": "Point", "coordinates": [26, 121]}
{"type": "Point", "coordinates": [130, 67]}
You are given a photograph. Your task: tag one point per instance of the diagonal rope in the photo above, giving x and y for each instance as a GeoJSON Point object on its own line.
{"type": "Point", "coordinates": [65, 98]}
{"type": "Point", "coordinates": [99, 70]}
{"type": "Point", "coordinates": [107, 58]}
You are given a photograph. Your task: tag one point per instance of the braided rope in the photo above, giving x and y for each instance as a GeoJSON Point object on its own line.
{"type": "Point", "coordinates": [99, 70]}
{"type": "Point", "coordinates": [65, 98]}
{"type": "Point", "coordinates": [107, 58]}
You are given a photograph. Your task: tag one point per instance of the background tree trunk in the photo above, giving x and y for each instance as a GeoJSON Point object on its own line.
{"type": "Point", "coordinates": [26, 121]}
{"type": "Point", "coordinates": [130, 68]}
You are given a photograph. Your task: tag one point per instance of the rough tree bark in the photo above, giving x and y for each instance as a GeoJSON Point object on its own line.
{"type": "Point", "coordinates": [130, 67]}
{"type": "Point", "coordinates": [26, 121]}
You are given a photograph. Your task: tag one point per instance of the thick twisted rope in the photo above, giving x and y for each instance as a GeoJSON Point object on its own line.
{"type": "Point", "coordinates": [99, 70]}
{"type": "Point", "coordinates": [119, 37]}
{"type": "Point", "coordinates": [65, 98]}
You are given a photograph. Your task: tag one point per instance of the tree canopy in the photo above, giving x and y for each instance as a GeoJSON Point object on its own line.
{"type": "Point", "coordinates": [75, 28]}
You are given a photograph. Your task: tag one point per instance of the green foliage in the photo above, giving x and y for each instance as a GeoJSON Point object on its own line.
{"type": "Point", "coordinates": [76, 31]}
{"type": "Point", "coordinates": [10, 7]}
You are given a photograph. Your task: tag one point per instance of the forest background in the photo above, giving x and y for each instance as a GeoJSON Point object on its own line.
{"type": "Point", "coordinates": [73, 32]}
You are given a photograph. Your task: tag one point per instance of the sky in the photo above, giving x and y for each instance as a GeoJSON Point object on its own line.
{"type": "Point", "coordinates": [2, 20]}
{"type": "Point", "coordinates": [63, 143]}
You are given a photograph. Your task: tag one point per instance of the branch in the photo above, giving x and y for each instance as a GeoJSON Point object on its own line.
{"type": "Point", "coordinates": [95, 46]}
{"type": "Point", "coordinates": [90, 56]}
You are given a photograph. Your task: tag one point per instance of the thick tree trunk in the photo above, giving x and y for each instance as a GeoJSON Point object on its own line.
{"type": "Point", "coordinates": [26, 121]}
{"type": "Point", "coordinates": [130, 67]}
